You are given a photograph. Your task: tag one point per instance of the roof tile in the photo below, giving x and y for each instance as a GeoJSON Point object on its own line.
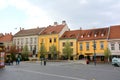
{"type": "Point", "coordinates": [35, 31]}
{"type": "Point", "coordinates": [114, 32]}
{"type": "Point", "coordinates": [53, 29]}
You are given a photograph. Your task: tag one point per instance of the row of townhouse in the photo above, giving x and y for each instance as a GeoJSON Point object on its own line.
{"type": "Point", "coordinates": [81, 41]}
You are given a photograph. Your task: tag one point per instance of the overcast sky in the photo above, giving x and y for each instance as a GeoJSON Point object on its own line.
{"type": "Point", "coordinates": [77, 13]}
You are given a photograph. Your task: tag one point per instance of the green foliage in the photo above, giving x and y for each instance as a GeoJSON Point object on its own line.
{"type": "Point", "coordinates": [13, 52]}
{"type": "Point", "coordinates": [13, 56]}
{"type": "Point", "coordinates": [107, 53]}
{"type": "Point", "coordinates": [42, 50]}
{"type": "Point", "coordinates": [53, 51]}
{"type": "Point", "coordinates": [13, 49]}
{"type": "Point", "coordinates": [67, 50]}
{"type": "Point", "coordinates": [25, 53]}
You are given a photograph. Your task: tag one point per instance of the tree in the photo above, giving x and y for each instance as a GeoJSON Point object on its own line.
{"type": "Point", "coordinates": [53, 51]}
{"type": "Point", "coordinates": [67, 50]}
{"type": "Point", "coordinates": [25, 53]}
{"type": "Point", "coordinates": [42, 50]}
{"type": "Point", "coordinates": [13, 52]}
{"type": "Point", "coordinates": [107, 53]}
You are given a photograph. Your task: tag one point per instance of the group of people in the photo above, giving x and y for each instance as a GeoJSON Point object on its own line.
{"type": "Point", "coordinates": [10, 60]}
{"type": "Point", "coordinates": [43, 61]}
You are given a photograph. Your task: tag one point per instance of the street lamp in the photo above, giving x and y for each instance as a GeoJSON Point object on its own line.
{"type": "Point", "coordinates": [94, 47]}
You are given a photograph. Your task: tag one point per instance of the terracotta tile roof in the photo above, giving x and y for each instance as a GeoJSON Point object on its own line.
{"type": "Point", "coordinates": [70, 34]}
{"type": "Point", "coordinates": [89, 34]}
{"type": "Point", "coordinates": [94, 34]}
{"type": "Point", "coordinates": [28, 32]}
{"type": "Point", "coordinates": [6, 38]}
{"type": "Point", "coordinates": [53, 29]}
{"type": "Point", "coordinates": [114, 32]}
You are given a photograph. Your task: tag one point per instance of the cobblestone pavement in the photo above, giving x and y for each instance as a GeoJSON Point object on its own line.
{"type": "Point", "coordinates": [71, 70]}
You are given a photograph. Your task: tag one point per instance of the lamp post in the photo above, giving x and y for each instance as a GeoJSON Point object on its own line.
{"type": "Point", "coordinates": [94, 47]}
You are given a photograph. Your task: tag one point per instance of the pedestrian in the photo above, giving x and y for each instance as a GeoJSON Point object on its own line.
{"type": "Point", "coordinates": [44, 62]}
{"type": "Point", "coordinates": [87, 61]}
{"type": "Point", "coordinates": [18, 60]}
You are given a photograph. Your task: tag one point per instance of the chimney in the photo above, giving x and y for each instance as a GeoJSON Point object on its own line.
{"type": "Point", "coordinates": [37, 27]}
{"type": "Point", "coordinates": [10, 33]}
{"type": "Point", "coordinates": [20, 29]}
{"type": "Point", "coordinates": [55, 23]}
{"type": "Point", "coordinates": [64, 22]}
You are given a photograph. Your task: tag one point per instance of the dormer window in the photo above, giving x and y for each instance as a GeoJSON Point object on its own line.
{"type": "Point", "coordinates": [102, 34]}
{"type": "Point", "coordinates": [88, 35]}
{"type": "Point", "coordinates": [95, 35]}
{"type": "Point", "coordinates": [82, 36]}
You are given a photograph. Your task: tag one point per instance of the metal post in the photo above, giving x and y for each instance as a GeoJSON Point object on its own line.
{"type": "Point", "coordinates": [94, 53]}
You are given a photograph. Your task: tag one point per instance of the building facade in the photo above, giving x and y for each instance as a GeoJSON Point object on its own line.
{"type": "Point", "coordinates": [72, 38]}
{"type": "Point", "coordinates": [27, 37]}
{"type": "Point", "coordinates": [114, 41]}
{"type": "Point", "coordinates": [50, 36]}
{"type": "Point", "coordinates": [92, 43]}
{"type": "Point", "coordinates": [7, 40]}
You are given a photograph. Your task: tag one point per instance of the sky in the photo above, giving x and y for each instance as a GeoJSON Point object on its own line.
{"type": "Point", "coordinates": [86, 14]}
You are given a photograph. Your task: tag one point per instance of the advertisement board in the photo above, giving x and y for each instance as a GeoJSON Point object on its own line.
{"type": "Point", "coordinates": [2, 59]}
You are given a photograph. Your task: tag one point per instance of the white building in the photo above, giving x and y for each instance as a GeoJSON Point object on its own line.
{"type": "Point", "coordinates": [114, 40]}
{"type": "Point", "coordinates": [27, 37]}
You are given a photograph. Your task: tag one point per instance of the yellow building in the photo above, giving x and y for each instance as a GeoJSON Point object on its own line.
{"type": "Point", "coordinates": [71, 37]}
{"type": "Point", "coordinates": [50, 36]}
{"type": "Point", "coordinates": [93, 42]}
{"type": "Point", "coordinates": [86, 43]}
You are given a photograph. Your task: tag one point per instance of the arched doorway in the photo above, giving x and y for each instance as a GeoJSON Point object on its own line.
{"type": "Point", "coordinates": [81, 56]}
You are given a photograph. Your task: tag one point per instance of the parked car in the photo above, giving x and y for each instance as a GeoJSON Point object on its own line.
{"type": "Point", "coordinates": [116, 61]}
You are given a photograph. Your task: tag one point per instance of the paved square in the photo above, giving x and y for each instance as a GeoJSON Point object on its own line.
{"type": "Point", "coordinates": [60, 71]}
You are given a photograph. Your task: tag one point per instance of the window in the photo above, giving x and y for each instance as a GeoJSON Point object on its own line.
{"type": "Point", "coordinates": [17, 47]}
{"type": "Point", "coordinates": [26, 40]}
{"type": "Point", "coordinates": [71, 43]}
{"type": "Point", "coordinates": [17, 41]}
{"type": "Point", "coordinates": [31, 40]}
{"type": "Point", "coordinates": [54, 39]}
{"type": "Point", "coordinates": [81, 46]}
{"type": "Point", "coordinates": [21, 48]}
{"type": "Point", "coordinates": [63, 44]}
{"type": "Point", "coordinates": [87, 45]}
{"type": "Point", "coordinates": [50, 40]}
{"type": "Point", "coordinates": [119, 46]}
{"type": "Point", "coordinates": [94, 45]}
{"type": "Point", "coordinates": [112, 46]}
{"type": "Point", "coordinates": [101, 45]}
{"type": "Point", "coordinates": [30, 47]}
{"type": "Point", "coordinates": [35, 40]}
{"type": "Point", "coordinates": [21, 41]}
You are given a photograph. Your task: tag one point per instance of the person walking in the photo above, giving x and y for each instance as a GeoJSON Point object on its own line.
{"type": "Point", "coordinates": [44, 62]}
{"type": "Point", "coordinates": [18, 60]}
